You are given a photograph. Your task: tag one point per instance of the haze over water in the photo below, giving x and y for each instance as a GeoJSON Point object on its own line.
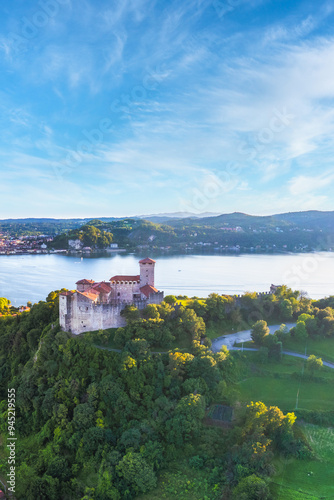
{"type": "Point", "coordinates": [32, 277]}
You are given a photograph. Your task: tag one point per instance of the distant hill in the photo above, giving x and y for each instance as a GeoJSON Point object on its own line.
{"type": "Point", "coordinates": [311, 219]}
{"type": "Point", "coordinates": [287, 232]}
{"type": "Point", "coordinates": [175, 215]}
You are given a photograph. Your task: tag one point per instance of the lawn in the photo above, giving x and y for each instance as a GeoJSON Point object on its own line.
{"type": "Point", "coordinates": [287, 393]}
{"type": "Point", "coordinates": [286, 385]}
{"type": "Point", "coordinates": [309, 479]}
{"type": "Point", "coordinates": [322, 347]}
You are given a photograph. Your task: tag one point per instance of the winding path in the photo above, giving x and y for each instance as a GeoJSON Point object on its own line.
{"type": "Point", "coordinates": [235, 338]}
{"type": "Point", "coordinates": [245, 336]}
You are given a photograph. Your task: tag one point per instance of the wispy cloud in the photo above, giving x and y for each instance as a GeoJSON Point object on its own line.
{"type": "Point", "coordinates": [219, 84]}
{"type": "Point", "coordinates": [308, 184]}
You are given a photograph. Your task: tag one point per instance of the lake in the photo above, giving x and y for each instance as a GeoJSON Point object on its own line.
{"type": "Point", "coordinates": [31, 277]}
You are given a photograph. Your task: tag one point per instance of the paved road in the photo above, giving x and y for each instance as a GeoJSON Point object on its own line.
{"type": "Point", "coordinates": [243, 336]}
{"type": "Point", "coordinates": [235, 338]}
{"type": "Point", "coordinates": [288, 353]}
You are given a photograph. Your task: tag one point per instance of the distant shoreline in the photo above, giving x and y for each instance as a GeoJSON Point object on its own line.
{"type": "Point", "coordinates": [109, 253]}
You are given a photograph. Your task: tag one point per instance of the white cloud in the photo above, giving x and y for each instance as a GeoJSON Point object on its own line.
{"type": "Point", "coordinates": [303, 184]}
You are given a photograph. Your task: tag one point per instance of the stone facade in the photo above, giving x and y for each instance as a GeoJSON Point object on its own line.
{"type": "Point", "coordinates": [98, 305]}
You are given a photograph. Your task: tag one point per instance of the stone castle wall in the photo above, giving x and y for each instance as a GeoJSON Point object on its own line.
{"type": "Point", "coordinates": [78, 314]}
{"type": "Point", "coordinates": [126, 290]}
{"type": "Point", "coordinates": [65, 312]}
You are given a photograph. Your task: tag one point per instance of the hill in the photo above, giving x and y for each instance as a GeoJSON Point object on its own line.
{"type": "Point", "coordinates": [287, 232]}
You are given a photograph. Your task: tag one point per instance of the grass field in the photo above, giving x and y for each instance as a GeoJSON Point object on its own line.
{"type": "Point", "coordinates": [287, 393]}
{"type": "Point", "coordinates": [309, 479]}
{"type": "Point", "coordinates": [322, 347]}
{"type": "Point", "coordinates": [275, 384]}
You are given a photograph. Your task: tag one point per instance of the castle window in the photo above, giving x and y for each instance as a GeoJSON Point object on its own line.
{"type": "Point", "coordinates": [118, 294]}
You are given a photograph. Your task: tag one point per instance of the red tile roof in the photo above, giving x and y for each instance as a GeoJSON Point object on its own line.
{"type": "Point", "coordinates": [147, 290]}
{"type": "Point", "coordinates": [102, 287]}
{"type": "Point", "coordinates": [125, 278]}
{"type": "Point", "coordinates": [147, 261]}
{"type": "Point", "coordinates": [92, 290]}
{"type": "Point", "coordinates": [90, 296]}
{"type": "Point", "coordinates": [84, 282]}
{"type": "Point", "coordinates": [66, 293]}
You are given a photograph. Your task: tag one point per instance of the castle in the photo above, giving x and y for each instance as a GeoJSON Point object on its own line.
{"type": "Point", "coordinates": [98, 305]}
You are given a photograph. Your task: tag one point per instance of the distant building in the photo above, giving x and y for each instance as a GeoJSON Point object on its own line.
{"type": "Point", "coordinates": [98, 305]}
{"type": "Point", "coordinates": [24, 309]}
{"type": "Point", "coordinates": [75, 244]}
{"type": "Point", "coordinates": [273, 288]}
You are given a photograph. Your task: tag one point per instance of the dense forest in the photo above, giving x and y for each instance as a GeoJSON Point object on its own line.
{"type": "Point", "coordinates": [97, 424]}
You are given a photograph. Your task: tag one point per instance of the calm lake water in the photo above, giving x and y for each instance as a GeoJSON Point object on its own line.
{"type": "Point", "coordinates": [32, 277]}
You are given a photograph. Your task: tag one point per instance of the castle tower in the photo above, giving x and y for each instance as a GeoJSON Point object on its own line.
{"type": "Point", "coordinates": [147, 272]}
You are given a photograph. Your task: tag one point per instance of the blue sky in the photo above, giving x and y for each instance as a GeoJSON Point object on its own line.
{"type": "Point", "coordinates": [116, 108]}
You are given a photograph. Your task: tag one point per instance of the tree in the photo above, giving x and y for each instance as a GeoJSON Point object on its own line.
{"type": "Point", "coordinates": [216, 307]}
{"type": "Point", "coordinates": [137, 347]}
{"type": "Point", "coordinates": [259, 331]}
{"type": "Point", "coordinates": [286, 309]}
{"type": "Point", "coordinates": [252, 488]}
{"type": "Point", "coordinates": [186, 422]}
{"type": "Point", "coordinates": [105, 488]}
{"type": "Point", "coordinates": [170, 299]}
{"type": "Point", "coordinates": [274, 347]}
{"type": "Point", "coordinates": [130, 313]}
{"type": "Point", "coordinates": [311, 323]}
{"type": "Point", "coordinates": [122, 336]}
{"type": "Point", "coordinates": [151, 312]}
{"type": "Point", "coordinates": [58, 467]}
{"type": "Point", "coordinates": [199, 306]}
{"type": "Point", "coordinates": [282, 333]}
{"type": "Point", "coordinates": [299, 331]}
{"type": "Point", "coordinates": [137, 472]}
{"type": "Point", "coordinates": [83, 416]}
{"type": "Point", "coordinates": [4, 303]}
{"type": "Point", "coordinates": [314, 364]}
{"type": "Point", "coordinates": [190, 323]}
{"type": "Point", "coordinates": [179, 363]}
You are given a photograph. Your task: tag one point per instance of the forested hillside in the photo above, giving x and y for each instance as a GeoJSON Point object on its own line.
{"type": "Point", "coordinates": [96, 424]}
{"type": "Point", "coordinates": [299, 231]}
